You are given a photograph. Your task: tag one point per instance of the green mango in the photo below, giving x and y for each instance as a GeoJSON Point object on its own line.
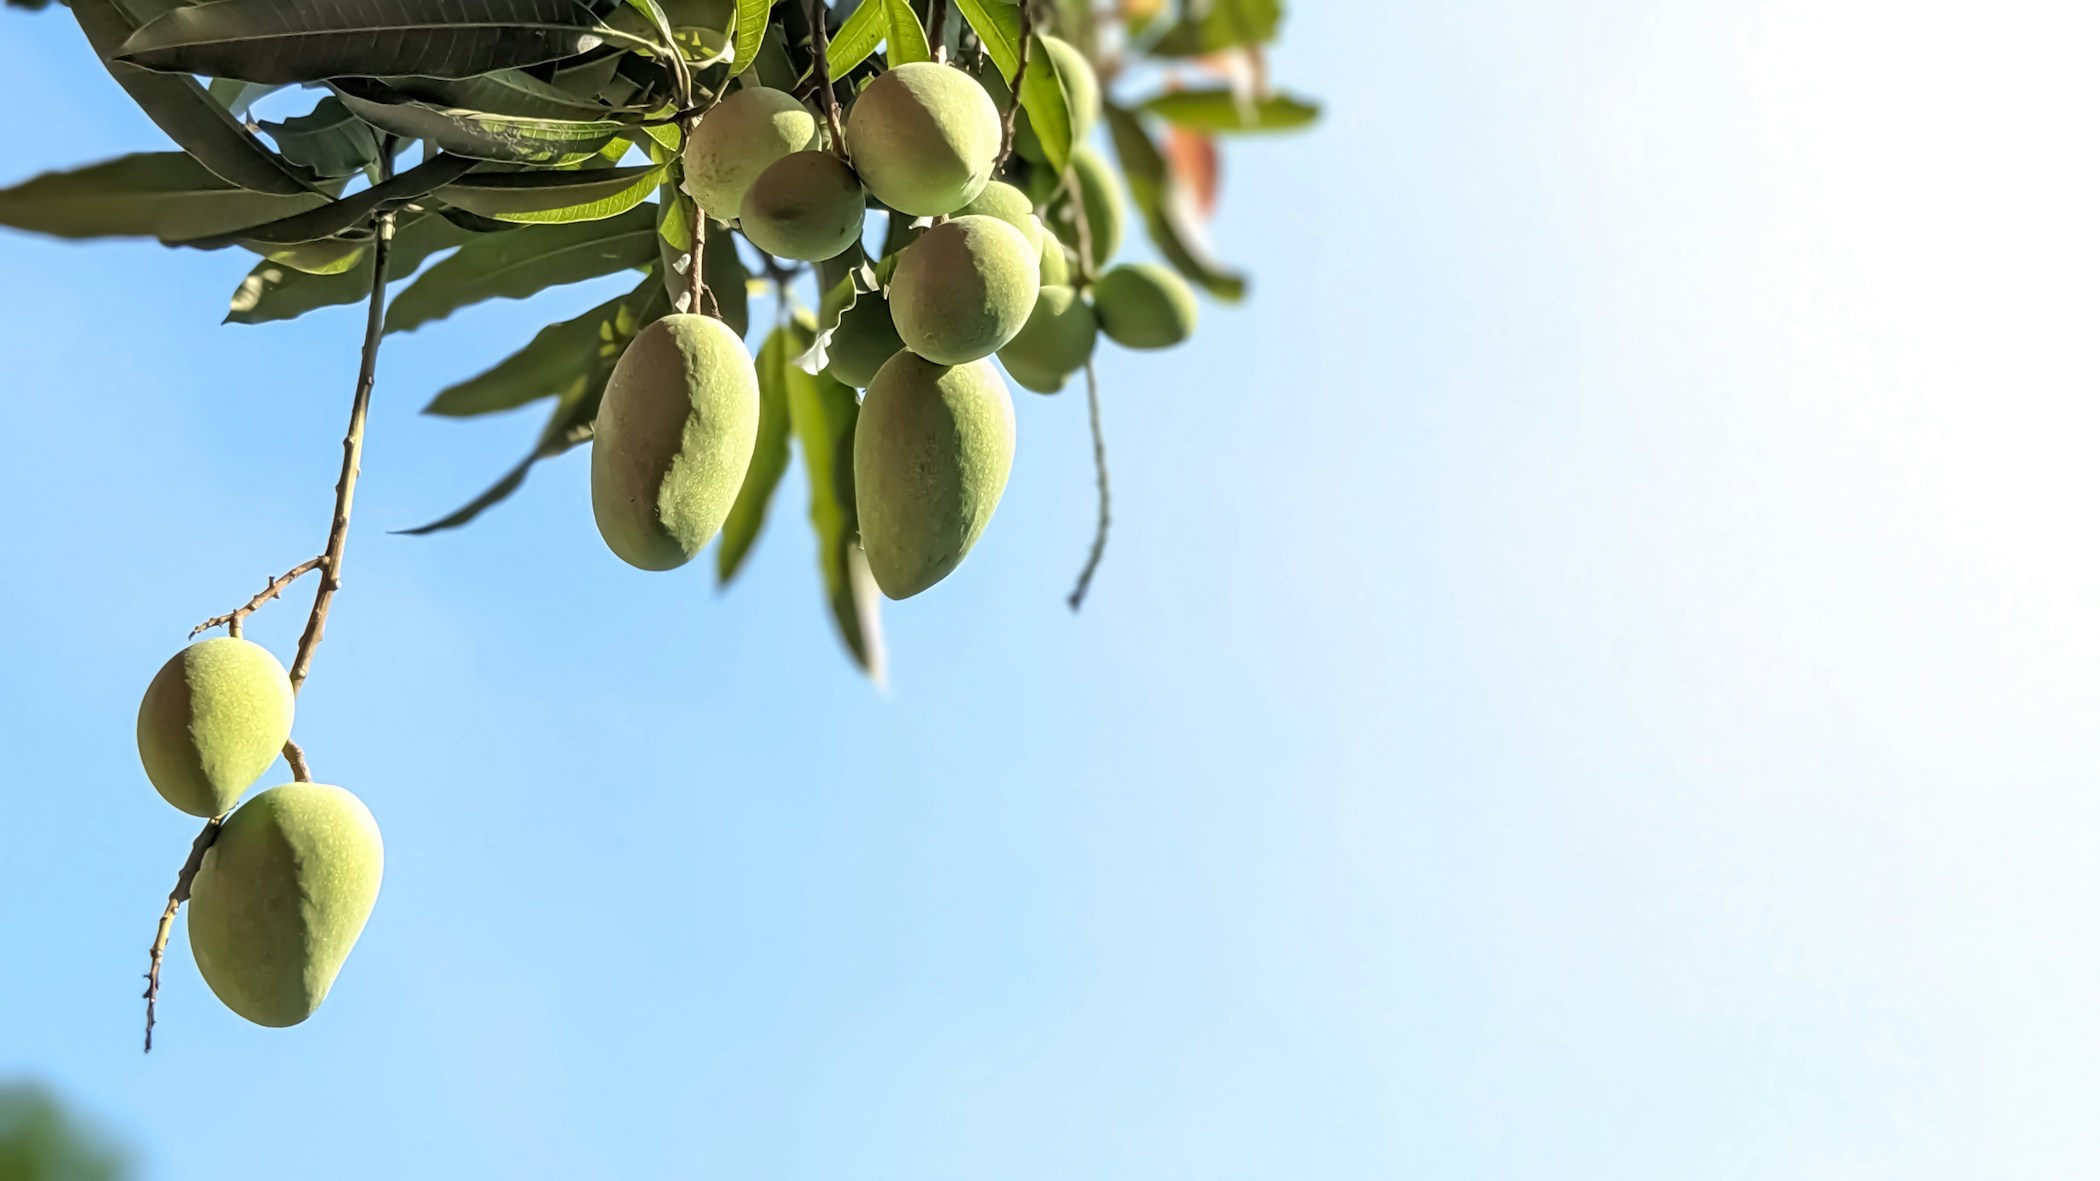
{"type": "Point", "coordinates": [1101, 195]}
{"type": "Point", "coordinates": [1145, 306]}
{"type": "Point", "coordinates": [866, 337]}
{"type": "Point", "coordinates": [931, 452]}
{"type": "Point", "coordinates": [1055, 343]}
{"type": "Point", "coordinates": [740, 137]}
{"type": "Point", "coordinates": [924, 138]}
{"type": "Point", "coordinates": [1056, 268]}
{"type": "Point", "coordinates": [1010, 205]}
{"type": "Point", "coordinates": [213, 720]}
{"type": "Point", "coordinates": [673, 438]}
{"type": "Point", "coordinates": [806, 207]}
{"type": "Point", "coordinates": [964, 289]}
{"type": "Point", "coordinates": [281, 897]}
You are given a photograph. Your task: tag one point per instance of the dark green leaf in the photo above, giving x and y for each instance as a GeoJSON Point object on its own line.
{"type": "Point", "coordinates": [1054, 116]}
{"type": "Point", "coordinates": [728, 282]}
{"type": "Point", "coordinates": [1221, 25]}
{"type": "Point", "coordinates": [581, 378]}
{"type": "Point", "coordinates": [503, 92]}
{"type": "Point", "coordinates": [998, 25]}
{"type": "Point", "coordinates": [347, 213]}
{"type": "Point", "coordinates": [233, 94]}
{"type": "Point", "coordinates": [1152, 190]}
{"type": "Point", "coordinates": [475, 133]}
{"type": "Point", "coordinates": [274, 291]}
{"type": "Point", "coordinates": [197, 123]}
{"type": "Point", "coordinates": [328, 140]}
{"type": "Point", "coordinates": [822, 413]}
{"type": "Point", "coordinates": [768, 458]}
{"type": "Point", "coordinates": [165, 195]}
{"type": "Point", "coordinates": [751, 18]}
{"type": "Point", "coordinates": [1222, 111]}
{"type": "Point", "coordinates": [331, 256]}
{"type": "Point", "coordinates": [554, 196]}
{"type": "Point", "coordinates": [524, 262]}
{"type": "Point", "coordinates": [550, 366]}
{"type": "Point", "coordinates": [313, 40]}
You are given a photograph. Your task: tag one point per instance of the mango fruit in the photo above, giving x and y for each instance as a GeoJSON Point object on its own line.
{"type": "Point", "coordinates": [213, 720]}
{"type": "Point", "coordinates": [1010, 205]}
{"type": "Point", "coordinates": [924, 137]}
{"type": "Point", "coordinates": [1054, 344]}
{"type": "Point", "coordinates": [964, 289]}
{"type": "Point", "coordinates": [742, 136]}
{"type": "Point", "coordinates": [807, 207]}
{"type": "Point", "coordinates": [1101, 196]}
{"type": "Point", "coordinates": [673, 438]}
{"type": "Point", "coordinates": [281, 897]}
{"type": "Point", "coordinates": [1145, 306]}
{"type": "Point", "coordinates": [931, 452]}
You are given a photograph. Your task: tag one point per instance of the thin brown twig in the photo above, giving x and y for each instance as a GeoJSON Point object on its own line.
{"type": "Point", "coordinates": [1080, 229]}
{"type": "Point", "coordinates": [1093, 557]}
{"type": "Point", "coordinates": [330, 565]}
{"type": "Point", "coordinates": [184, 878]}
{"type": "Point", "coordinates": [820, 75]}
{"type": "Point", "coordinates": [937, 30]}
{"type": "Point", "coordinates": [1013, 99]}
{"type": "Point", "coordinates": [231, 621]}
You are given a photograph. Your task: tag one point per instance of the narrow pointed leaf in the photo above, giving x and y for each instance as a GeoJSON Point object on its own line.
{"type": "Point", "coordinates": [554, 196]}
{"type": "Point", "coordinates": [346, 213]}
{"type": "Point", "coordinates": [313, 40]}
{"type": "Point", "coordinates": [998, 25]}
{"type": "Point", "coordinates": [328, 140]}
{"type": "Point", "coordinates": [769, 457]}
{"type": "Point", "coordinates": [1152, 190]}
{"type": "Point", "coordinates": [332, 256]}
{"type": "Point", "coordinates": [1222, 111]}
{"type": "Point", "coordinates": [198, 123]}
{"type": "Point", "coordinates": [502, 92]}
{"type": "Point", "coordinates": [1051, 114]}
{"type": "Point", "coordinates": [165, 195]}
{"type": "Point", "coordinates": [477, 134]}
{"type": "Point", "coordinates": [822, 413]}
{"type": "Point", "coordinates": [581, 377]}
{"type": "Point", "coordinates": [906, 39]}
{"type": "Point", "coordinates": [857, 39]}
{"type": "Point", "coordinates": [751, 19]}
{"type": "Point", "coordinates": [274, 291]}
{"type": "Point", "coordinates": [524, 262]}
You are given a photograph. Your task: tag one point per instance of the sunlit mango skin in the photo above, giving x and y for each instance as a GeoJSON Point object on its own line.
{"type": "Point", "coordinates": [1145, 306]}
{"type": "Point", "coordinates": [673, 439]}
{"type": "Point", "coordinates": [932, 449]}
{"type": "Point", "coordinates": [1055, 343]}
{"type": "Point", "coordinates": [964, 289]}
{"type": "Point", "coordinates": [212, 721]}
{"type": "Point", "coordinates": [807, 207]}
{"type": "Point", "coordinates": [740, 137]}
{"type": "Point", "coordinates": [1010, 205]}
{"type": "Point", "coordinates": [924, 138]}
{"type": "Point", "coordinates": [281, 897]}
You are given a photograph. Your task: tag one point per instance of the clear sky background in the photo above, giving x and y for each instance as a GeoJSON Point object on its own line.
{"type": "Point", "coordinates": [1595, 675]}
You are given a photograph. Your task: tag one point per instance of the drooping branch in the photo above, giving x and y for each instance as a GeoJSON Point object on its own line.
{"type": "Point", "coordinates": [330, 564]}
{"type": "Point", "coordinates": [1093, 557]}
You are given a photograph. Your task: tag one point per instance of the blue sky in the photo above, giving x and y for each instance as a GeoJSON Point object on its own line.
{"type": "Point", "coordinates": [1593, 677]}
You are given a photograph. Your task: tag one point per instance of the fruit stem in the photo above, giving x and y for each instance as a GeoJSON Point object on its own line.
{"type": "Point", "coordinates": [1013, 98]}
{"type": "Point", "coordinates": [820, 73]}
{"type": "Point", "coordinates": [184, 878]}
{"type": "Point", "coordinates": [1093, 557]}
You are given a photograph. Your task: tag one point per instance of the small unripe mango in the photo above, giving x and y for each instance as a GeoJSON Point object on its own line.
{"type": "Point", "coordinates": [1056, 341]}
{"type": "Point", "coordinates": [1145, 306]}
{"type": "Point", "coordinates": [931, 452]}
{"type": "Point", "coordinates": [924, 137]}
{"type": "Point", "coordinates": [807, 207]}
{"type": "Point", "coordinates": [742, 136]}
{"type": "Point", "coordinates": [863, 341]}
{"type": "Point", "coordinates": [212, 721]}
{"type": "Point", "coordinates": [281, 897]}
{"type": "Point", "coordinates": [1010, 205]}
{"type": "Point", "coordinates": [964, 289]}
{"type": "Point", "coordinates": [1101, 196]}
{"type": "Point", "coordinates": [1056, 269]}
{"type": "Point", "coordinates": [674, 436]}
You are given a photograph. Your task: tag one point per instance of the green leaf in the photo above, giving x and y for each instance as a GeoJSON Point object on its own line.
{"type": "Point", "coordinates": [1221, 111]}
{"type": "Point", "coordinates": [751, 19]}
{"type": "Point", "coordinates": [313, 40]}
{"type": "Point", "coordinates": [768, 457]}
{"type": "Point", "coordinates": [166, 195]}
{"type": "Point", "coordinates": [841, 281]}
{"type": "Point", "coordinates": [476, 133]}
{"type": "Point", "coordinates": [328, 140]}
{"type": "Point", "coordinates": [856, 40]}
{"type": "Point", "coordinates": [275, 291]}
{"type": "Point", "coordinates": [998, 25]}
{"type": "Point", "coordinates": [232, 93]}
{"type": "Point", "coordinates": [347, 213]}
{"type": "Point", "coordinates": [822, 413]}
{"type": "Point", "coordinates": [198, 124]}
{"type": "Point", "coordinates": [502, 92]}
{"type": "Point", "coordinates": [721, 266]}
{"type": "Point", "coordinates": [1053, 115]}
{"type": "Point", "coordinates": [331, 256]}
{"type": "Point", "coordinates": [557, 357]}
{"type": "Point", "coordinates": [581, 376]}
{"type": "Point", "coordinates": [524, 262]}
{"type": "Point", "coordinates": [1151, 190]}
{"type": "Point", "coordinates": [728, 280]}
{"type": "Point", "coordinates": [1221, 25]}
{"type": "Point", "coordinates": [907, 40]}
{"type": "Point", "coordinates": [554, 197]}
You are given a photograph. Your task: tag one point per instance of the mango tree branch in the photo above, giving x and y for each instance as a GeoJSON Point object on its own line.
{"type": "Point", "coordinates": [1013, 99]}
{"type": "Point", "coordinates": [231, 621]}
{"type": "Point", "coordinates": [330, 564]}
{"type": "Point", "coordinates": [820, 74]}
{"type": "Point", "coordinates": [1093, 557]}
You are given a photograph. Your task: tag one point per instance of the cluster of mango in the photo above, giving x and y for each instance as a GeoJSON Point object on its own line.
{"type": "Point", "coordinates": [983, 274]}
